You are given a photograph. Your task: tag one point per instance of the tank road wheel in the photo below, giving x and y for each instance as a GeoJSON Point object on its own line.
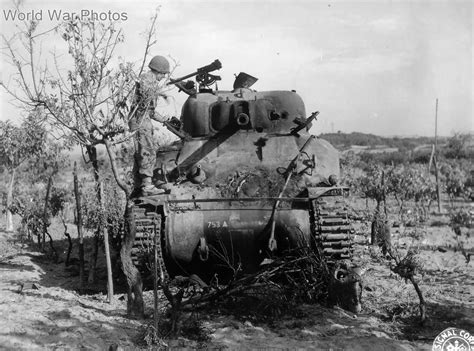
{"type": "Point", "coordinates": [332, 227]}
{"type": "Point", "coordinates": [148, 224]}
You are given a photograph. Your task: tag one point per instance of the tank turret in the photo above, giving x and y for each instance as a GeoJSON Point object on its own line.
{"type": "Point", "coordinates": [241, 109]}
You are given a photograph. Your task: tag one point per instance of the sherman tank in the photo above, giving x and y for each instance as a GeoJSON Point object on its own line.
{"type": "Point", "coordinates": [246, 181]}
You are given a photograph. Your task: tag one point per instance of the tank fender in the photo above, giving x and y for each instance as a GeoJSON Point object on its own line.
{"type": "Point", "coordinates": [159, 202]}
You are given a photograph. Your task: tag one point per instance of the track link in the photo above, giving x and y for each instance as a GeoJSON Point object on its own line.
{"type": "Point", "coordinates": [332, 227]}
{"type": "Point", "coordinates": [148, 224]}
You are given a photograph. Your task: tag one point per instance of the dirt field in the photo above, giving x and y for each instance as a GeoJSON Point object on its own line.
{"type": "Point", "coordinates": [51, 315]}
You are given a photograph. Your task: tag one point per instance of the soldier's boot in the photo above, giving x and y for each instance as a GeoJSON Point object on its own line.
{"type": "Point", "coordinates": [148, 189]}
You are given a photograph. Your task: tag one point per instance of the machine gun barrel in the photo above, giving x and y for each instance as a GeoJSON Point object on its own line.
{"type": "Point", "coordinates": [205, 69]}
{"type": "Point", "coordinates": [305, 124]}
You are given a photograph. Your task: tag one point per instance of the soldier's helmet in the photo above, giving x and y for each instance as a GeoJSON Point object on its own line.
{"type": "Point", "coordinates": [159, 64]}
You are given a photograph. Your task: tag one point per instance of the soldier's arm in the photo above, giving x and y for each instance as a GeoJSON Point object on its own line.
{"type": "Point", "coordinates": [159, 117]}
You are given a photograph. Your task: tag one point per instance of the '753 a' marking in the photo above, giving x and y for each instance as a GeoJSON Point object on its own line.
{"type": "Point", "coordinates": [217, 224]}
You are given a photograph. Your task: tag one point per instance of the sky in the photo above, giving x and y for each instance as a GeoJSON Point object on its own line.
{"type": "Point", "coordinates": [372, 66]}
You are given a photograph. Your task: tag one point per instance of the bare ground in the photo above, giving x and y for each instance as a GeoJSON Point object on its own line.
{"type": "Point", "coordinates": [51, 314]}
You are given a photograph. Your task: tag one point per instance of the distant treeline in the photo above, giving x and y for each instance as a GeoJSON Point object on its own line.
{"type": "Point", "coordinates": [344, 141]}
{"type": "Point", "coordinates": [369, 148]}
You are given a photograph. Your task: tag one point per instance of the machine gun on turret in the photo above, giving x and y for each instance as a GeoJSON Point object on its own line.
{"type": "Point", "coordinates": [203, 77]}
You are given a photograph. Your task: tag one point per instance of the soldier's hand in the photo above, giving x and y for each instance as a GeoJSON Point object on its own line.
{"type": "Point", "coordinates": [159, 117]}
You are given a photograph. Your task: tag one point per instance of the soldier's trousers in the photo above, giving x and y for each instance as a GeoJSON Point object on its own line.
{"type": "Point", "coordinates": [144, 160]}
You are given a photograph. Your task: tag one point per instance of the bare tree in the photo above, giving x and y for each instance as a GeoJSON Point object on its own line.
{"type": "Point", "coordinates": [87, 97]}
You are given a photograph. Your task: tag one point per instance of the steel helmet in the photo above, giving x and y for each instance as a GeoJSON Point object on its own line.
{"type": "Point", "coordinates": [159, 64]}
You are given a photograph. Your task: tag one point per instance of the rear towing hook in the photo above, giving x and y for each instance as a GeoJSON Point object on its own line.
{"type": "Point", "coordinates": [203, 250]}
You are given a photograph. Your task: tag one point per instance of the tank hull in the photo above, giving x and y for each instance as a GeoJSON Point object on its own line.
{"type": "Point", "coordinates": [265, 155]}
{"type": "Point", "coordinates": [228, 239]}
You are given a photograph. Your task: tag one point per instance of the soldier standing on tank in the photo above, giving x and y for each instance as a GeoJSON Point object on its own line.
{"type": "Point", "coordinates": [146, 95]}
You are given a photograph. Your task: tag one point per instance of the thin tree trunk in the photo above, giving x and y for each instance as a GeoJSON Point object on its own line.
{"type": "Point", "coordinates": [113, 165]}
{"type": "Point", "coordinates": [51, 245]}
{"type": "Point", "coordinates": [92, 153]}
{"type": "Point", "coordinates": [375, 228]}
{"type": "Point", "coordinates": [155, 282]}
{"type": "Point", "coordinates": [9, 217]}
{"type": "Point", "coordinates": [45, 210]}
{"type": "Point", "coordinates": [103, 227]}
{"type": "Point", "coordinates": [135, 305]}
{"type": "Point", "coordinates": [79, 230]}
{"type": "Point", "coordinates": [93, 258]}
{"type": "Point", "coordinates": [69, 240]}
{"type": "Point", "coordinates": [422, 300]}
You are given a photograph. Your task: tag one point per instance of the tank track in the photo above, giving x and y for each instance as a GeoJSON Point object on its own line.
{"type": "Point", "coordinates": [332, 227]}
{"type": "Point", "coordinates": [148, 223]}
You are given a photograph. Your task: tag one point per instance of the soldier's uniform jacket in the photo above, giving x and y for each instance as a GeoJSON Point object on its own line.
{"type": "Point", "coordinates": [147, 92]}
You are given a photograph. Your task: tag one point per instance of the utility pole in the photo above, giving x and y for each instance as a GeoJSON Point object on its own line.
{"type": "Point", "coordinates": [438, 192]}
{"type": "Point", "coordinates": [436, 126]}
{"type": "Point", "coordinates": [105, 233]}
{"type": "Point", "coordinates": [80, 234]}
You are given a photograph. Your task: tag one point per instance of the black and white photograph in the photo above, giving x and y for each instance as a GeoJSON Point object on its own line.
{"type": "Point", "coordinates": [236, 174]}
